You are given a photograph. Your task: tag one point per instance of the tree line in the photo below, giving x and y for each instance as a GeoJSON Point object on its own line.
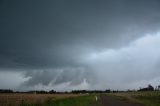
{"type": "Point", "coordinates": [148, 88]}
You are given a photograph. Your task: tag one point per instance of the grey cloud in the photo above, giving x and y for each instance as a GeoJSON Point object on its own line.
{"type": "Point", "coordinates": [45, 35]}
{"type": "Point", "coordinates": [133, 63]}
{"type": "Point", "coordinates": [54, 77]}
{"type": "Point", "coordinates": [42, 34]}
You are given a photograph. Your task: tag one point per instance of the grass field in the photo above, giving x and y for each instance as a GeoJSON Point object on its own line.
{"type": "Point", "coordinates": [87, 100]}
{"type": "Point", "coordinates": [21, 99]}
{"type": "Point", "coordinates": [46, 100]}
{"type": "Point", "coordinates": [147, 98]}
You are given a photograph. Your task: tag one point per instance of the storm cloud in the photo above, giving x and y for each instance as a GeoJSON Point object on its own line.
{"type": "Point", "coordinates": [79, 44]}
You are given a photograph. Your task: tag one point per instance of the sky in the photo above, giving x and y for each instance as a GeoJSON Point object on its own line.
{"type": "Point", "coordinates": [79, 44]}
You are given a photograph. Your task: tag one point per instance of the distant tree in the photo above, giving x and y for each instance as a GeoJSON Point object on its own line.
{"type": "Point", "coordinates": [6, 91]}
{"type": "Point", "coordinates": [158, 87]}
{"type": "Point", "coordinates": [150, 87]}
{"type": "Point", "coordinates": [52, 91]}
{"type": "Point", "coordinates": [107, 91]}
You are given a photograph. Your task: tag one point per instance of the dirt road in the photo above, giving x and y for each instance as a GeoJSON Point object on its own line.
{"type": "Point", "coordinates": [105, 100]}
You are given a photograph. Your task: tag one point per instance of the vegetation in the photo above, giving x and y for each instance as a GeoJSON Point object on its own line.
{"type": "Point", "coordinates": [149, 88]}
{"type": "Point", "coordinates": [88, 100]}
{"type": "Point", "coordinates": [25, 99]}
{"type": "Point", "coordinates": [147, 98]}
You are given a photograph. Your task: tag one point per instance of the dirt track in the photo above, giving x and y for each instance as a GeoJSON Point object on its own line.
{"type": "Point", "coordinates": [105, 100]}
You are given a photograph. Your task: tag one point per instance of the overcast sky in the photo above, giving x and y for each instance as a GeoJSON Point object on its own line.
{"type": "Point", "coordinates": [79, 44]}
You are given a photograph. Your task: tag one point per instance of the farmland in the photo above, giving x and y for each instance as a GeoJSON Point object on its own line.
{"type": "Point", "coordinates": [145, 98]}
{"type": "Point", "coordinates": [21, 99]}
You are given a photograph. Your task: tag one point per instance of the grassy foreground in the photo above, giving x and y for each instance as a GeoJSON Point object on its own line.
{"type": "Point", "coordinates": [147, 98]}
{"type": "Point", "coordinates": [86, 100]}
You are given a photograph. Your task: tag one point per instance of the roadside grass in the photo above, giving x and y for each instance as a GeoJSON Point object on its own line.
{"type": "Point", "coordinates": [86, 100]}
{"type": "Point", "coordinates": [149, 98]}
{"type": "Point", "coordinates": [146, 98]}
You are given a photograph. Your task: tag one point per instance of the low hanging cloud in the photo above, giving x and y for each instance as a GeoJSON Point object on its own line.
{"type": "Point", "coordinates": [53, 78]}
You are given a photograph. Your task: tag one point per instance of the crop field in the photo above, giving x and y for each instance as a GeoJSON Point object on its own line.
{"type": "Point", "coordinates": [32, 99]}
{"type": "Point", "coordinates": [147, 98]}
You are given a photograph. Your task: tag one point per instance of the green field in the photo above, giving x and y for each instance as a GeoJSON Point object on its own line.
{"type": "Point", "coordinates": [87, 100]}
{"type": "Point", "coordinates": [76, 101]}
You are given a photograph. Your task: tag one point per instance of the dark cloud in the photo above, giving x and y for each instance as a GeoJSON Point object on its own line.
{"type": "Point", "coordinates": [50, 35]}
